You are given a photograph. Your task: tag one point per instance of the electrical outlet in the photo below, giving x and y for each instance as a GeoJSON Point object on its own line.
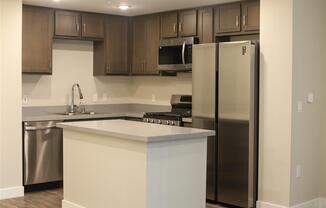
{"type": "Point", "coordinates": [104, 97]}
{"type": "Point", "coordinates": [153, 98]}
{"type": "Point", "coordinates": [95, 97]}
{"type": "Point", "coordinates": [298, 171]}
{"type": "Point", "coordinates": [25, 99]}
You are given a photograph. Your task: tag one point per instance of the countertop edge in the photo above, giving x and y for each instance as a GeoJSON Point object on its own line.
{"type": "Point", "coordinates": [146, 139]}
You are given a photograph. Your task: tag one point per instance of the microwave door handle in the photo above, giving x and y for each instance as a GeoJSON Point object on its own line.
{"type": "Point", "coordinates": [183, 53]}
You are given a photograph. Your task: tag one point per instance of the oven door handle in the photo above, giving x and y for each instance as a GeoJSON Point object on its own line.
{"type": "Point", "coordinates": [183, 52]}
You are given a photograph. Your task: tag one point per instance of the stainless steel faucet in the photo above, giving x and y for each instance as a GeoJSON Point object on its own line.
{"type": "Point", "coordinates": [72, 105]}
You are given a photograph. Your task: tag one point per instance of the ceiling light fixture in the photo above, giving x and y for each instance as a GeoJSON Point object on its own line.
{"type": "Point", "coordinates": [56, 0]}
{"type": "Point", "coordinates": [123, 7]}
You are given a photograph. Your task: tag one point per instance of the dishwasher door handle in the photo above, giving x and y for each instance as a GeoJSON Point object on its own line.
{"type": "Point", "coordinates": [35, 128]}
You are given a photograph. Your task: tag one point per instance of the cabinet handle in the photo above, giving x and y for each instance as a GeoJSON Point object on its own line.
{"type": "Point", "coordinates": [84, 28]}
{"type": "Point", "coordinates": [237, 21]}
{"type": "Point", "coordinates": [180, 27]}
{"type": "Point", "coordinates": [244, 20]}
{"type": "Point", "coordinates": [107, 67]}
{"type": "Point", "coordinates": [174, 27]}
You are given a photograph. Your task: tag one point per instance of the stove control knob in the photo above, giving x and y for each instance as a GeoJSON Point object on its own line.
{"type": "Point", "coordinates": [159, 121]}
{"type": "Point", "coordinates": [172, 123]}
{"type": "Point", "coordinates": [153, 121]}
{"type": "Point", "coordinates": [168, 122]}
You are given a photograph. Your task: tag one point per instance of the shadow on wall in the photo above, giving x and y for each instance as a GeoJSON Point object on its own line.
{"type": "Point", "coordinates": [31, 85]}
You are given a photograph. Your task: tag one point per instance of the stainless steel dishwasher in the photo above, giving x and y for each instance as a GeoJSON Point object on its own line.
{"type": "Point", "coordinates": [43, 152]}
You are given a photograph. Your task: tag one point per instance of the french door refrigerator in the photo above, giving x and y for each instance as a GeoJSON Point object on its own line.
{"type": "Point", "coordinates": [225, 99]}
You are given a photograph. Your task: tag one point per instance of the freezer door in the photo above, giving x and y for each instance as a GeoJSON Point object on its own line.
{"type": "Point", "coordinates": [204, 73]}
{"type": "Point", "coordinates": [236, 99]}
{"type": "Point", "coordinates": [204, 69]}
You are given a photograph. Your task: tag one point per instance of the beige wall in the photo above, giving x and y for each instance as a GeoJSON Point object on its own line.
{"type": "Point", "coordinates": [161, 87]}
{"type": "Point", "coordinates": [56, 89]}
{"type": "Point", "coordinates": [275, 101]}
{"type": "Point", "coordinates": [73, 63]}
{"type": "Point", "coordinates": [10, 95]}
{"type": "Point", "coordinates": [293, 46]}
{"type": "Point", "coordinates": [309, 43]}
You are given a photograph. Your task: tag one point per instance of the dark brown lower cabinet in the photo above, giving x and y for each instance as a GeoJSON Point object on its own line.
{"type": "Point", "coordinates": [37, 40]}
{"type": "Point", "coordinates": [111, 55]}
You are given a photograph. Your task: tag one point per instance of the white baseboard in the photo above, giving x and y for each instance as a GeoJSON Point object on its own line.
{"type": "Point", "coordinates": [12, 192]}
{"type": "Point", "coordinates": [315, 203]}
{"type": "Point", "coordinates": [68, 204]}
{"type": "Point", "coordinates": [322, 203]}
{"type": "Point", "coordinates": [261, 204]}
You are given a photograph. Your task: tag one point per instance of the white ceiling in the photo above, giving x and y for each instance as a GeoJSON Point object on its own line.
{"type": "Point", "coordinates": [138, 7]}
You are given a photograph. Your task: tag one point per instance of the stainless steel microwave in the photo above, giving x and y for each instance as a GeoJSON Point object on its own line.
{"type": "Point", "coordinates": [175, 55]}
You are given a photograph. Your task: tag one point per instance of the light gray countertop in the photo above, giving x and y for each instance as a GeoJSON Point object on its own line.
{"type": "Point", "coordinates": [56, 113]}
{"type": "Point", "coordinates": [139, 131]}
{"type": "Point", "coordinates": [58, 117]}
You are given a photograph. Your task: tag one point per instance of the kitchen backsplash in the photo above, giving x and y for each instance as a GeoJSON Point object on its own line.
{"type": "Point", "coordinates": [73, 62]}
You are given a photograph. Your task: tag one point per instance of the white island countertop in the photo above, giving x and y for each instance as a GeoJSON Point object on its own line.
{"type": "Point", "coordinates": [139, 131]}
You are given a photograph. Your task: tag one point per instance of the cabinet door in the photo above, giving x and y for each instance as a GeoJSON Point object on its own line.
{"type": "Point", "coordinates": [250, 16]}
{"type": "Point", "coordinates": [205, 25]}
{"type": "Point", "coordinates": [169, 24]}
{"type": "Point", "coordinates": [93, 25]}
{"type": "Point", "coordinates": [188, 23]}
{"type": "Point", "coordinates": [37, 40]}
{"type": "Point", "coordinates": [152, 43]}
{"type": "Point", "coordinates": [139, 45]}
{"type": "Point", "coordinates": [67, 24]}
{"type": "Point", "coordinates": [227, 18]}
{"type": "Point", "coordinates": [116, 39]}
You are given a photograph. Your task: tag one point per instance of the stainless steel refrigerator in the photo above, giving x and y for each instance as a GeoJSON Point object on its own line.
{"type": "Point", "coordinates": [225, 99]}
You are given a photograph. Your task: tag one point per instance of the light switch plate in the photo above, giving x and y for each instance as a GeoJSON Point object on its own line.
{"type": "Point", "coordinates": [300, 107]}
{"type": "Point", "coordinates": [298, 171]}
{"type": "Point", "coordinates": [310, 98]}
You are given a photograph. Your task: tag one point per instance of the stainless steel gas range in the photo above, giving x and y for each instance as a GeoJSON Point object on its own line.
{"type": "Point", "coordinates": [180, 113]}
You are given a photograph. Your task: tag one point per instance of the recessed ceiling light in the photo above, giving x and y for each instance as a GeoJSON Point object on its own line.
{"type": "Point", "coordinates": [123, 7]}
{"type": "Point", "coordinates": [56, 0]}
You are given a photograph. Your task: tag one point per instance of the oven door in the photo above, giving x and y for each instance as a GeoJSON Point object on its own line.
{"type": "Point", "coordinates": [176, 54]}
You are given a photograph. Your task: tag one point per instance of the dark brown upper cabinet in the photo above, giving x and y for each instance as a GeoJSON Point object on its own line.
{"type": "Point", "coordinates": [169, 24]}
{"type": "Point", "coordinates": [227, 18]}
{"type": "Point", "coordinates": [205, 25]}
{"type": "Point", "coordinates": [139, 45]}
{"type": "Point", "coordinates": [182, 24]}
{"type": "Point", "coordinates": [78, 25]}
{"type": "Point", "coordinates": [188, 23]}
{"type": "Point", "coordinates": [152, 28]}
{"type": "Point", "coordinates": [250, 16]}
{"type": "Point", "coordinates": [67, 24]}
{"type": "Point", "coordinates": [111, 55]}
{"type": "Point", "coordinates": [93, 25]}
{"type": "Point", "coordinates": [37, 40]}
{"type": "Point", "coordinates": [146, 36]}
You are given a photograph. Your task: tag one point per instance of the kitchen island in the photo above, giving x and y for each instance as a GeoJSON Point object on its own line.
{"type": "Point", "coordinates": [124, 164]}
